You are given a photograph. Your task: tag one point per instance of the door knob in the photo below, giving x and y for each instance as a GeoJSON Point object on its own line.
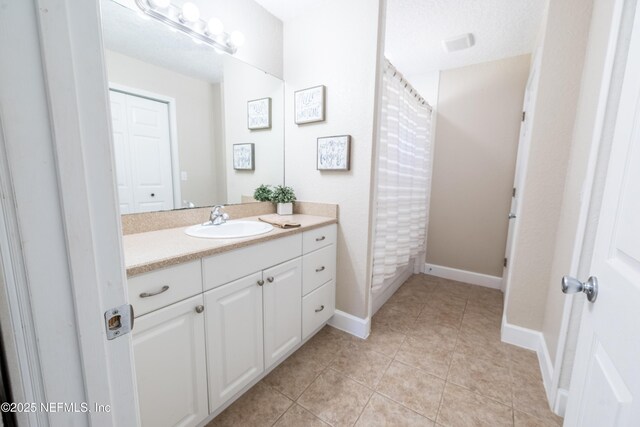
{"type": "Point", "coordinates": [260, 282]}
{"type": "Point", "coordinates": [571, 285]}
{"type": "Point", "coordinates": [512, 215]}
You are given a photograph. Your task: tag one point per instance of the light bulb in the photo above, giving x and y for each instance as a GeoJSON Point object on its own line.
{"type": "Point", "coordinates": [215, 26]}
{"type": "Point", "coordinates": [159, 4]}
{"type": "Point", "coordinates": [237, 38]}
{"type": "Point", "coordinates": [190, 12]}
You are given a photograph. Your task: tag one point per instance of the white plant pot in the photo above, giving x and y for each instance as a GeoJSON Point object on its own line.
{"type": "Point", "coordinates": [285, 208]}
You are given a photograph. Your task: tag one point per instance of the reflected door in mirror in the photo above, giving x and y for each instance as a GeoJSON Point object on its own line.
{"type": "Point", "coordinates": [142, 147]}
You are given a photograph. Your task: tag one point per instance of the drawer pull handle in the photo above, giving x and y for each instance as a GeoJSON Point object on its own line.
{"type": "Point", "coordinates": [318, 270]}
{"type": "Point", "coordinates": [320, 239]}
{"type": "Point", "coordinates": [165, 288]}
{"type": "Point", "coordinates": [270, 279]}
{"type": "Point", "coordinates": [199, 308]}
{"type": "Point", "coordinates": [318, 310]}
{"type": "Point", "coordinates": [260, 282]}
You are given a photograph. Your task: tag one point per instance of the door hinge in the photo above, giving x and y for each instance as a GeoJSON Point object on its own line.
{"type": "Point", "coordinates": [524, 114]}
{"type": "Point", "coordinates": [513, 193]}
{"type": "Point", "coordinates": [118, 321]}
{"type": "Point", "coordinates": [505, 262]}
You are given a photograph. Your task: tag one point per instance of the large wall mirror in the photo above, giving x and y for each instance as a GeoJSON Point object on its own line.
{"type": "Point", "coordinates": [191, 127]}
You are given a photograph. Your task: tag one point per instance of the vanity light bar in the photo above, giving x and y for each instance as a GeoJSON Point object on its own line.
{"type": "Point", "coordinates": [191, 25]}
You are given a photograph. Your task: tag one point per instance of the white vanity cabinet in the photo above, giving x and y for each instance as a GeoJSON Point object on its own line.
{"type": "Point", "coordinates": [234, 337]}
{"type": "Point", "coordinates": [208, 329]}
{"type": "Point", "coordinates": [171, 366]}
{"type": "Point", "coordinates": [282, 292]}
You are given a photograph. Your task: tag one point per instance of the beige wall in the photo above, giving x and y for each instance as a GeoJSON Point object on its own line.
{"type": "Point", "coordinates": [479, 111]}
{"type": "Point", "coordinates": [562, 57]}
{"type": "Point", "coordinates": [335, 44]}
{"type": "Point", "coordinates": [196, 104]}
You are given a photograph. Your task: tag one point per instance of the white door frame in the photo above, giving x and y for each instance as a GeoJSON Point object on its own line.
{"type": "Point", "coordinates": [173, 132]}
{"type": "Point", "coordinates": [522, 160]}
{"type": "Point", "coordinates": [60, 212]}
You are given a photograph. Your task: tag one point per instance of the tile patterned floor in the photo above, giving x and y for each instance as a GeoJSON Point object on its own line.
{"type": "Point", "coordinates": [434, 358]}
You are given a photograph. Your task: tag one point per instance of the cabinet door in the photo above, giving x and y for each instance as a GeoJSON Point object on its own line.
{"type": "Point", "coordinates": [171, 366]}
{"type": "Point", "coordinates": [234, 337]}
{"type": "Point", "coordinates": [282, 309]}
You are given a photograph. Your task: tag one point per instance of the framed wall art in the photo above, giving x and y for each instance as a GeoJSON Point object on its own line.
{"type": "Point", "coordinates": [309, 105]}
{"type": "Point", "coordinates": [244, 157]}
{"type": "Point", "coordinates": [259, 114]}
{"type": "Point", "coordinates": [334, 153]}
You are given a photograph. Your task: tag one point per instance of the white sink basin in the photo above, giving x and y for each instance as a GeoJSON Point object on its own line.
{"type": "Point", "coordinates": [229, 230]}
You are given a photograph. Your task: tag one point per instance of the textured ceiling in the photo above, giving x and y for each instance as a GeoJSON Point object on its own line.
{"type": "Point", "coordinates": [285, 10]}
{"type": "Point", "coordinates": [148, 40]}
{"type": "Point", "coordinates": [415, 30]}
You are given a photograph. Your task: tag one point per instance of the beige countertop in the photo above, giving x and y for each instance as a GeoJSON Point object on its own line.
{"type": "Point", "coordinates": [144, 252]}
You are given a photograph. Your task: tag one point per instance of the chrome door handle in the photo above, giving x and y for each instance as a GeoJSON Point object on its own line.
{"type": "Point", "coordinates": [511, 215]}
{"type": "Point", "coordinates": [571, 285]}
{"type": "Point", "coordinates": [165, 288]}
{"type": "Point", "coordinates": [270, 279]}
{"type": "Point", "coordinates": [320, 239]}
{"type": "Point", "coordinates": [260, 282]}
{"type": "Point", "coordinates": [318, 310]}
{"type": "Point", "coordinates": [318, 270]}
{"type": "Point", "coordinates": [199, 308]}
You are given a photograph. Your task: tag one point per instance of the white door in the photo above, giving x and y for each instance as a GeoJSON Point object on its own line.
{"type": "Point", "coordinates": [120, 131]}
{"type": "Point", "coordinates": [521, 160]}
{"type": "Point", "coordinates": [282, 295]}
{"type": "Point", "coordinates": [142, 143]}
{"type": "Point", "coordinates": [171, 366]}
{"type": "Point", "coordinates": [605, 386]}
{"type": "Point", "coordinates": [234, 337]}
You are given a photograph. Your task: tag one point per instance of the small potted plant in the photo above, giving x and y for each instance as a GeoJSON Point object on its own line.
{"type": "Point", "coordinates": [263, 193]}
{"type": "Point", "coordinates": [284, 197]}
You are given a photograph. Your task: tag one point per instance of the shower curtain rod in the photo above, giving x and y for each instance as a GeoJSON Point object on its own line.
{"type": "Point", "coordinates": [412, 90]}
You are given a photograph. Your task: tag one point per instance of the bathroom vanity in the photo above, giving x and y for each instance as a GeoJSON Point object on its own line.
{"type": "Point", "coordinates": [214, 316]}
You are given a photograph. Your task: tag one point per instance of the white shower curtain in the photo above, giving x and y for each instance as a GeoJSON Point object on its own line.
{"type": "Point", "coordinates": [403, 178]}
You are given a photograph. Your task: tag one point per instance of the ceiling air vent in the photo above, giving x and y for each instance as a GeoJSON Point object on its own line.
{"type": "Point", "coordinates": [460, 42]}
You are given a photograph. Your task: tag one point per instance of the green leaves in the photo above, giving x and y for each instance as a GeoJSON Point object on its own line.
{"type": "Point", "coordinates": [263, 193]}
{"type": "Point", "coordinates": [283, 194]}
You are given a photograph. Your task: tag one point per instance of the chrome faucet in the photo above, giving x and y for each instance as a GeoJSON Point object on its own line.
{"type": "Point", "coordinates": [218, 217]}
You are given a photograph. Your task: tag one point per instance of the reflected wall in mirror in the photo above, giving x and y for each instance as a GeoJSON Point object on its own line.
{"type": "Point", "coordinates": [178, 107]}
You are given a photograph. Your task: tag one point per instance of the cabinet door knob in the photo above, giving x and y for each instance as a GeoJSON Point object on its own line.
{"type": "Point", "coordinates": [270, 279]}
{"type": "Point", "coordinates": [318, 310]}
{"type": "Point", "coordinates": [318, 270]}
{"type": "Point", "coordinates": [199, 308]}
{"type": "Point", "coordinates": [260, 282]}
{"type": "Point", "coordinates": [320, 239]}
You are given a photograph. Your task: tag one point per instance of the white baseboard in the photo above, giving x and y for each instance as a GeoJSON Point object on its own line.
{"type": "Point", "coordinates": [562, 397]}
{"type": "Point", "coordinates": [533, 340]}
{"type": "Point", "coordinates": [493, 282]}
{"type": "Point", "coordinates": [380, 298]}
{"type": "Point", "coordinates": [351, 324]}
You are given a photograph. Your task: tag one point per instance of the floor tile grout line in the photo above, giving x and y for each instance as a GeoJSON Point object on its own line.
{"type": "Point", "coordinates": [402, 404]}
{"type": "Point", "coordinates": [450, 362]}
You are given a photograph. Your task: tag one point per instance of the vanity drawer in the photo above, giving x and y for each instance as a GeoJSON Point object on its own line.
{"type": "Point", "coordinates": [319, 238]}
{"type": "Point", "coordinates": [318, 307]}
{"type": "Point", "coordinates": [232, 265]}
{"type": "Point", "coordinates": [318, 268]}
{"type": "Point", "coordinates": [159, 288]}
